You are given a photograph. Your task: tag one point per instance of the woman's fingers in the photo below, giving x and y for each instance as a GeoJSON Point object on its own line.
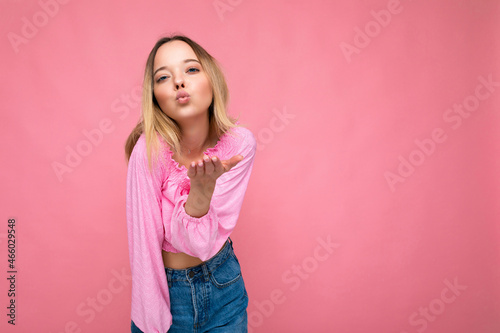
{"type": "Point", "coordinates": [218, 167]}
{"type": "Point", "coordinates": [230, 163]}
{"type": "Point", "coordinates": [209, 165]}
{"type": "Point", "coordinates": [212, 166]}
{"type": "Point", "coordinates": [192, 170]}
{"type": "Point", "coordinates": [200, 169]}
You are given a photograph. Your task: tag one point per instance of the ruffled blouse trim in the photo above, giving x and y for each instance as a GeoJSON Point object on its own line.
{"type": "Point", "coordinates": [209, 152]}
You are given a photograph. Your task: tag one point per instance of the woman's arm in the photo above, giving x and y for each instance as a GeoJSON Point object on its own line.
{"type": "Point", "coordinates": [220, 205]}
{"type": "Point", "coordinates": [198, 201]}
{"type": "Point", "coordinates": [150, 295]}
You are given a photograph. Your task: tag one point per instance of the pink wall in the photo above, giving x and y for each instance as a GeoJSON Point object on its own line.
{"type": "Point", "coordinates": [374, 200]}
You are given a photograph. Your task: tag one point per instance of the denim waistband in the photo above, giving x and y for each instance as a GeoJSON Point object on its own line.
{"type": "Point", "coordinates": [201, 270]}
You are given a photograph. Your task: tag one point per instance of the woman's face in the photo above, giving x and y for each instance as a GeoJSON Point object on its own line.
{"type": "Point", "coordinates": [177, 69]}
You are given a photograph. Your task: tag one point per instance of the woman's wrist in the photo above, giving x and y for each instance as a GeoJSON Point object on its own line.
{"type": "Point", "coordinates": [199, 198]}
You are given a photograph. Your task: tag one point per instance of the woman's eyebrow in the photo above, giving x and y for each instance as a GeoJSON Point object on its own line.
{"type": "Point", "coordinates": [165, 67]}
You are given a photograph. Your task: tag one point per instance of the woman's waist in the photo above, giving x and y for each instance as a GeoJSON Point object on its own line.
{"type": "Point", "coordinates": [180, 260]}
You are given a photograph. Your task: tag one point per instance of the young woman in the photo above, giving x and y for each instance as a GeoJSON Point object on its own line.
{"type": "Point", "coordinates": [189, 164]}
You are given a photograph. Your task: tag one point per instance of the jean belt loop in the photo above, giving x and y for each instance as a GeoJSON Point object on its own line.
{"type": "Point", "coordinates": [205, 271]}
{"type": "Point", "coordinates": [230, 241]}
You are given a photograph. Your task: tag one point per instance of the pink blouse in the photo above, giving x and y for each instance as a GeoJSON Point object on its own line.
{"type": "Point", "coordinates": [157, 220]}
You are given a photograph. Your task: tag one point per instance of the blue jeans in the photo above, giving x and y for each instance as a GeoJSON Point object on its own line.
{"type": "Point", "coordinates": [210, 297]}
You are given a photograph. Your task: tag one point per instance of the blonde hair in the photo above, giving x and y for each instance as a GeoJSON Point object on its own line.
{"type": "Point", "coordinates": [154, 122]}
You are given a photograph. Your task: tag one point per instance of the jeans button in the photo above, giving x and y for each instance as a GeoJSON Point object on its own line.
{"type": "Point", "coordinates": [191, 274]}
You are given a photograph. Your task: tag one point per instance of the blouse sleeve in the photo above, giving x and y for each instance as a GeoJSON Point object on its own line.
{"type": "Point", "coordinates": [150, 295]}
{"type": "Point", "coordinates": [197, 236]}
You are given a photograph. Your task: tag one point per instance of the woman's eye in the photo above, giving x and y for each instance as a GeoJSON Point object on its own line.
{"type": "Point", "coordinates": [195, 69]}
{"type": "Point", "coordinates": [161, 78]}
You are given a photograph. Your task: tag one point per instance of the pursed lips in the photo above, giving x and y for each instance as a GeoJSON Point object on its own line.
{"type": "Point", "coordinates": [182, 94]}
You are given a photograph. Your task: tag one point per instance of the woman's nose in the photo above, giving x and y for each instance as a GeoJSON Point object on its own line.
{"type": "Point", "coordinates": [179, 82]}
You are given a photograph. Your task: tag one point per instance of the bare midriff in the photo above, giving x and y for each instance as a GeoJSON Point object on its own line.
{"type": "Point", "coordinates": [181, 260]}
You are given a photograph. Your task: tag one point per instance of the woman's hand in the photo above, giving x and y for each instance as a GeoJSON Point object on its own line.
{"type": "Point", "coordinates": [203, 175]}
{"type": "Point", "coordinates": [205, 172]}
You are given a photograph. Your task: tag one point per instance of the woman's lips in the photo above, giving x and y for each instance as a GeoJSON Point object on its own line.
{"type": "Point", "coordinates": [182, 97]}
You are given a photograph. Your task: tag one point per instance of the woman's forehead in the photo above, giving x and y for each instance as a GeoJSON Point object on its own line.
{"type": "Point", "coordinates": [173, 53]}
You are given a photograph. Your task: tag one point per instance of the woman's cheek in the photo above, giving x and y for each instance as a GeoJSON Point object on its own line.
{"type": "Point", "coordinates": [162, 100]}
{"type": "Point", "coordinates": [161, 97]}
{"type": "Point", "coordinates": [207, 90]}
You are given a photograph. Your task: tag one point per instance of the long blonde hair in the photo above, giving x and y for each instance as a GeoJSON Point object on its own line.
{"type": "Point", "coordinates": [153, 121]}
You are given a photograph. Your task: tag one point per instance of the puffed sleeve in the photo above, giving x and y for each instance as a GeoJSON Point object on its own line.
{"type": "Point", "coordinates": [150, 295]}
{"type": "Point", "coordinates": [198, 236]}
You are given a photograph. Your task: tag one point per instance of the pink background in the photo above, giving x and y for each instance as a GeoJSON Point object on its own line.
{"type": "Point", "coordinates": [341, 97]}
